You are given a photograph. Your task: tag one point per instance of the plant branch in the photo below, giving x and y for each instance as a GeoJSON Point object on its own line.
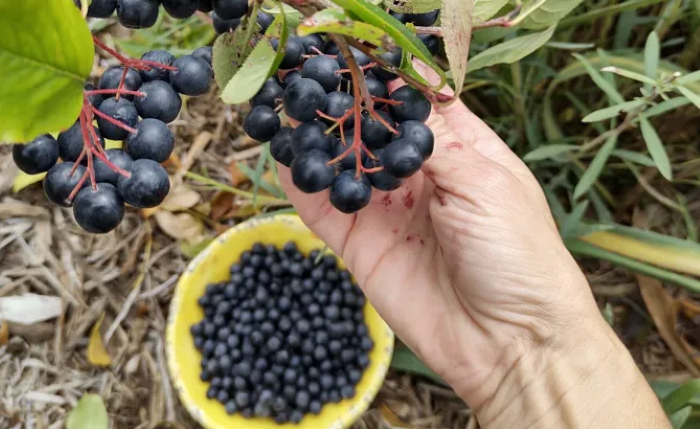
{"type": "Point", "coordinates": [629, 119]}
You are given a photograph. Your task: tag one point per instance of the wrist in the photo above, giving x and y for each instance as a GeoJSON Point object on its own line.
{"type": "Point", "coordinates": [587, 379]}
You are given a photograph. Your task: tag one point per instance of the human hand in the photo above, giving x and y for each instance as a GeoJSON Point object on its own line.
{"type": "Point", "coordinates": [464, 261]}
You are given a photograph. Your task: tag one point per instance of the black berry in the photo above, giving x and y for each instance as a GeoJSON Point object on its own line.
{"type": "Point", "coordinates": [148, 185]}
{"type": "Point", "coordinates": [123, 111]}
{"type": "Point", "coordinates": [137, 13]}
{"type": "Point", "coordinates": [281, 146]}
{"type": "Point", "coordinates": [224, 25]}
{"type": "Point", "coordinates": [205, 53]}
{"type": "Point", "coordinates": [262, 123]}
{"type": "Point", "coordinates": [303, 98]}
{"type": "Point", "coordinates": [98, 210]}
{"type": "Point", "coordinates": [414, 105]}
{"type": "Point", "coordinates": [401, 158]}
{"type": "Point", "coordinates": [293, 52]}
{"type": "Point", "coordinates": [59, 182]}
{"type": "Point", "coordinates": [375, 134]}
{"type": "Point", "coordinates": [152, 140]}
{"type": "Point", "coordinates": [70, 142]}
{"type": "Point", "coordinates": [381, 180]}
{"type": "Point", "coordinates": [192, 77]}
{"type": "Point", "coordinates": [156, 73]}
{"type": "Point", "coordinates": [311, 172]}
{"type": "Point", "coordinates": [230, 9]}
{"type": "Point", "coordinates": [37, 156]}
{"type": "Point", "coordinates": [269, 95]}
{"type": "Point", "coordinates": [160, 101]}
{"type": "Point", "coordinates": [112, 76]}
{"type": "Point", "coordinates": [324, 70]}
{"type": "Point", "coordinates": [180, 9]}
{"type": "Point", "coordinates": [311, 135]}
{"type": "Point", "coordinates": [104, 173]}
{"type": "Point", "coordinates": [419, 134]}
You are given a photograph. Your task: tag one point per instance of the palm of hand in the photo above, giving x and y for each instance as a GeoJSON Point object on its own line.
{"type": "Point", "coordinates": [456, 256]}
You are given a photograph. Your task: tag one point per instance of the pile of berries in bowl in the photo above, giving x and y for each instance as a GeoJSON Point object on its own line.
{"type": "Point", "coordinates": [267, 328]}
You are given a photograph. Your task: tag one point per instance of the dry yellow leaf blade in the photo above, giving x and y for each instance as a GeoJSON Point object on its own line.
{"type": "Point", "coordinates": [96, 352]}
{"type": "Point", "coordinates": [4, 333]}
{"type": "Point", "coordinates": [391, 418]}
{"type": "Point", "coordinates": [678, 259]}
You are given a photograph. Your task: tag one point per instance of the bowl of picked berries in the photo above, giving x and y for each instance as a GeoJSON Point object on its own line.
{"type": "Point", "coordinates": [268, 328]}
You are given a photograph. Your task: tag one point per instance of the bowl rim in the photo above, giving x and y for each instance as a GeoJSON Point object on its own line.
{"type": "Point", "coordinates": [360, 403]}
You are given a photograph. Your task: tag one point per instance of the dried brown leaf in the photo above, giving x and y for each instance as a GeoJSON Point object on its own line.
{"type": "Point", "coordinates": [182, 226]}
{"type": "Point", "coordinates": [10, 210]}
{"type": "Point", "coordinates": [181, 197]}
{"type": "Point", "coordinates": [664, 310]}
{"type": "Point", "coordinates": [4, 333]}
{"type": "Point", "coordinates": [457, 33]}
{"type": "Point", "coordinates": [237, 176]}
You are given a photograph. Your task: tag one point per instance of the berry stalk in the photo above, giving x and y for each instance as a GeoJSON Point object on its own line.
{"type": "Point", "coordinates": [114, 92]}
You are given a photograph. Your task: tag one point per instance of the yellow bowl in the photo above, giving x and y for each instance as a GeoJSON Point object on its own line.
{"type": "Point", "coordinates": [212, 265]}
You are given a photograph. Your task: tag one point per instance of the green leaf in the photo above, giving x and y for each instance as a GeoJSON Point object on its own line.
{"type": "Point", "coordinates": [656, 148]}
{"type": "Point", "coordinates": [339, 22]}
{"type": "Point", "coordinates": [652, 54]}
{"type": "Point", "coordinates": [690, 95]}
{"type": "Point", "coordinates": [46, 57]}
{"type": "Point", "coordinates": [612, 111]}
{"type": "Point", "coordinates": [251, 76]}
{"type": "Point", "coordinates": [630, 75]}
{"type": "Point", "coordinates": [593, 171]}
{"type": "Point", "coordinates": [599, 80]}
{"type": "Point", "coordinates": [570, 46]}
{"type": "Point", "coordinates": [679, 418]}
{"type": "Point", "coordinates": [89, 413]}
{"type": "Point", "coordinates": [681, 397]}
{"type": "Point", "coordinates": [457, 34]}
{"type": "Point", "coordinates": [634, 62]}
{"type": "Point", "coordinates": [405, 360]}
{"type": "Point", "coordinates": [689, 78]}
{"type": "Point", "coordinates": [374, 15]}
{"type": "Point", "coordinates": [549, 13]}
{"type": "Point", "coordinates": [279, 30]}
{"type": "Point", "coordinates": [510, 51]}
{"type": "Point", "coordinates": [486, 9]}
{"type": "Point", "coordinates": [665, 106]}
{"type": "Point", "coordinates": [413, 6]}
{"type": "Point", "coordinates": [230, 49]}
{"type": "Point", "coordinates": [608, 314]}
{"type": "Point", "coordinates": [635, 157]}
{"type": "Point", "coordinates": [549, 151]}
{"type": "Point", "coordinates": [573, 220]}
{"type": "Point", "coordinates": [258, 66]}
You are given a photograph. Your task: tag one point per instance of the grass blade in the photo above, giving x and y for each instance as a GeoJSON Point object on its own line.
{"type": "Point", "coordinates": [599, 80]}
{"type": "Point", "coordinates": [656, 148]}
{"type": "Point", "coordinates": [652, 52]}
{"type": "Point", "coordinates": [612, 111]}
{"type": "Point", "coordinates": [593, 171]}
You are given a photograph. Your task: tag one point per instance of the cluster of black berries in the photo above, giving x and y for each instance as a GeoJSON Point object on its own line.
{"type": "Point", "coordinates": [144, 13]}
{"type": "Point", "coordinates": [138, 179]}
{"type": "Point", "coordinates": [284, 336]}
{"type": "Point", "coordinates": [315, 89]}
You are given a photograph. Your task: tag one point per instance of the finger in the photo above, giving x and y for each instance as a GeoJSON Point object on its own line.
{"type": "Point", "coordinates": [316, 211]}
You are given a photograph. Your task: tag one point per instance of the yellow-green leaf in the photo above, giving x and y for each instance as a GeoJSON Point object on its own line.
{"type": "Point", "coordinates": [339, 22]}
{"type": "Point", "coordinates": [89, 413]}
{"type": "Point", "coordinates": [593, 171]}
{"type": "Point", "coordinates": [374, 15]}
{"type": "Point", "coordinates": [96, 352]}
{"type": "Point", "coordinates": [23, 180]}
{"type": "Point", "coordinates": [46, 53]}
{"type": "Point", "coordinates": [412, 6]}
{"type": "Point", "coordinates": [612, 111]}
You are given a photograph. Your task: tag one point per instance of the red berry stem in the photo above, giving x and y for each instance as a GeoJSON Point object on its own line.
{"type": "Point", "coordinates": [113, 121]}
{"type": "Point", "coordinates": [114, 91]}
{"type": "Point", "coordinates": [130, 62]}
{"type": "Point", "coordinates": [97, 148]}
{"type": "Point", "coordinates": [121, 82]}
